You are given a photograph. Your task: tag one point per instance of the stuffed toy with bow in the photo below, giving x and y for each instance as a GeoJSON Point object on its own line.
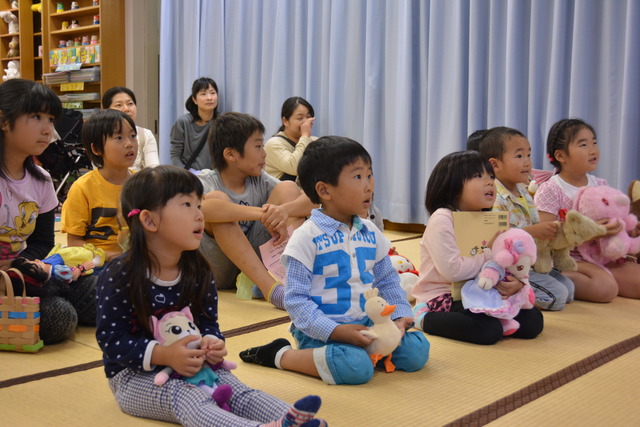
{"type": "Point", "coordinates": [573, 230]}
{"type": "Point", "coordinates": [514, 251]}
{"type": "Point", "coordinates": [176, 325]}
{"type": "Point", "coordinates": [406, 270]}
{"type": "Point", "coordinates": [606, 203]}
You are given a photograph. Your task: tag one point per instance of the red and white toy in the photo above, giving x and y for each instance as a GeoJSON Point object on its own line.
{"type": "Point", "coordinates": [407, 271]}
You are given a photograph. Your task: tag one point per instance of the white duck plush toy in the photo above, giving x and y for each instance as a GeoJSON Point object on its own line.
{"type": "Point", "coordinates": [384, 332]}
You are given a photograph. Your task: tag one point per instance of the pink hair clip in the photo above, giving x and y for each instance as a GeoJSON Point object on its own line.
{"type": "Point", "coordinates": [133, 212]}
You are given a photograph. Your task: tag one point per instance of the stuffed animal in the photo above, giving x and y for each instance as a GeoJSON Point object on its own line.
{"type": "Point", "coordinates": [13, 47]}
{"type": "Point", "coordinates": [573, 230]}
{"type": "Point", "coordinates": [384, 332]}
{"type": "Point", "coordinates": [176, 325]}
{"type": "Point", "coordinates": [537, 177]}
{"type": "Point", "coordinates": [11, 20]}
{"type": "Point", "coordinates": [514, 251]}
{"type": "Point", "coordinates": [12, 71]}
{"type": "Point", "coordinates": [604, 202]}
{"type": "Point", "coordinates": [407, 271]}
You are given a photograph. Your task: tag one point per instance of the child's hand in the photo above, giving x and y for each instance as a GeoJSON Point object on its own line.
{"type": "Point", "coordinates": [509, 286]}
{"type": "Point", "coordinates": [404, 323]}
{"type": "Point", "coordinates": [543, 230]}
{"type": "Point", "coordinates": [305, 127]}
{"type": "Point", "coordinates": [612, 226]}
{"type": "Point", "coordinates": [348, 333]}
{"type": "Point", "coordinates": [216, 349]}
{"type": "Point", "coordinates": [275, 219]}
{"type": "Point", "coordinates": [185, 361]}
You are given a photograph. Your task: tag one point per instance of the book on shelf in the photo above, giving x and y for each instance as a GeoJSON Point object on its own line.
{"type": "Point", "coordinates": [474, 230]}
{"type": "Point", "coordinates": [73, 97]}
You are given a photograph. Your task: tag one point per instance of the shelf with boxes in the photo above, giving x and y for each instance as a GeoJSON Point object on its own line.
{"type": "Point", "coordinates": [42, 38]}
{"type": "Point", "coordinates": [78, 89]}
{"type": "Point", "coordinates": [78, 44]}
{"type": "Point", "coordinates": [74, 35]}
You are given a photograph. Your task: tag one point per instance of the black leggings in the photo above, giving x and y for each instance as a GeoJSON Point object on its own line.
{"type": "Point", "coordinates": [477, 328]}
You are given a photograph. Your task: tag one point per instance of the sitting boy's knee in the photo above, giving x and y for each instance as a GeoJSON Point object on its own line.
{"type": "Point", "coordinates": [351, 365]}
{"type": "Point", "coordinates": [415, 352]}
{"type": "Point", "coordinates": [284, 191]}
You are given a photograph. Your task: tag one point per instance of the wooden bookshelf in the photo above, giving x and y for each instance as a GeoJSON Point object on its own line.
{"type": "Point", "coordinates": [24, 36]}
{"type": "Point", "coordinates": [42, 34]}
{"type": "Point", "coordinates": [108, 53]}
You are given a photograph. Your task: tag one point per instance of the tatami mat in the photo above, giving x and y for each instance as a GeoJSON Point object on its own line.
{"type": "Point", "coordinates": [607, 396]}
{"type": "Point", "coordinates": [77, 399]}
{"type": "Point", "coordinates": [460, 379]}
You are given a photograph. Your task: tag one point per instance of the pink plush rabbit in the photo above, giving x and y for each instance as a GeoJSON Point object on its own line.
{"type": "Point", "coordinates": [603, 202]}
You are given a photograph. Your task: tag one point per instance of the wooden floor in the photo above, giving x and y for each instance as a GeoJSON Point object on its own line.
{"type": "Point", "coordinates": [584, 369]}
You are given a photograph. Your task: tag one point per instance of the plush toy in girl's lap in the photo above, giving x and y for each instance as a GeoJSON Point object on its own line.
{"type": "Point", "coordinates": [176, 325]}
{"type": "Point", "coordinates": [514, 251]}
{"type": "Point", "coordinates": [604, 202]}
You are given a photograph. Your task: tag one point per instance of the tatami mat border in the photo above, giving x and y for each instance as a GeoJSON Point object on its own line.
{"type": "Point", "coordinates": [256, 326]}
{"type": "Point", "coordinates": [98, 363]}
{"type": "Point", "coordinates": [546, 385]}
{"type": "Point", "coordinates": [49, 374]}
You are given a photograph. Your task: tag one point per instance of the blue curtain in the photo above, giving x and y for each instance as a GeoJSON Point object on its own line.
{"type": "Point", "coordinates": [411, 79]}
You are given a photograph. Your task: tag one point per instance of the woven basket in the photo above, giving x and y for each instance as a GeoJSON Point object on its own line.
{"type": "Point", "coordinates": [19, 319]}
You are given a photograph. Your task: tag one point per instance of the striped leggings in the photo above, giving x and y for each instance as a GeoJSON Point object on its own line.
{"type": "Point", "coordinates": [179, 402]}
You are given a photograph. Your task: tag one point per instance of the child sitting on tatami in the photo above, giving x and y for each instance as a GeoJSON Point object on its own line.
{"type": "Point", "coordinates": [90, 212]}
{"type": "Point", "coordinates": [245, 206]}
{"type": "Point", "coordinates": [331, 260]}
{"type": "Point", "coordinates": [509, 153]}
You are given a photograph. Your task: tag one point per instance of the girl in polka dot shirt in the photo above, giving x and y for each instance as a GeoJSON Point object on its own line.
{"type": "Point", "coordinates": [164, 271]}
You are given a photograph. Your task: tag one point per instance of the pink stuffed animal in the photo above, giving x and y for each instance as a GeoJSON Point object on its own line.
{"type": "Point", "coordinates": [176, 325]}
{"type": "Point", "coordinates": [514, 251]}
{"type": "Point", "coordinates": [603, 202]}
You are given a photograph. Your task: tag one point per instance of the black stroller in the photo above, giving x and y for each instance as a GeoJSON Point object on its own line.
{"type": "Point", "coordinates": [65, 159]}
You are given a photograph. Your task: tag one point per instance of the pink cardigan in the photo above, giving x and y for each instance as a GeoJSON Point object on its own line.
{"type": "Point", "coordinates": [441, 262]}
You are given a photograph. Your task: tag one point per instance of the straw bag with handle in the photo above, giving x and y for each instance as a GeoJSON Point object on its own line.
{"type": "Point", "coordinates": [19, 318]}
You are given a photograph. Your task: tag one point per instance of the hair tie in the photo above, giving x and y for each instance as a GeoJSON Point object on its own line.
{"type": "Point", "coordinates": [550, 157]}
{"type": "Point", "coordinates": [133, 212]}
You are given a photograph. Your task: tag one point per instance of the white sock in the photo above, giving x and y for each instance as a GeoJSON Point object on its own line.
{"type": "Point", "coordinates": [279, 355]}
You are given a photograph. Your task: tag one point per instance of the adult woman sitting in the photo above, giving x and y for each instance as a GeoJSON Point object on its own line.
{"type": "Point", "coordinates": [286, 147]}
{"type": "Point", "coordinates": [123, 99]}
{"type": "Point", "coordinates": [189, 132]}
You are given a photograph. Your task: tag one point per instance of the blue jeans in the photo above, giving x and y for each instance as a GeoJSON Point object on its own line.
{"type": "Point", "coordinates": [553, 290]}
{"type": "Point", "coordinates": [340, 363]}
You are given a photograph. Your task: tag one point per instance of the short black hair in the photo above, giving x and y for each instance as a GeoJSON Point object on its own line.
{"type": "Point", "coordinates": [495, 140]}
{"type": "Point", "coordinates": [473, 140]}
{"type": "Point", "coordinates": [447, 179]}
{"type": "Point", "coordinates": [231, 130]}
{"type": "Point", "coordinates": [101, 125]}
{"type": "Point", "coordinates": [107, 98]}
{"type": "Point", "coordinates": [324, 159]}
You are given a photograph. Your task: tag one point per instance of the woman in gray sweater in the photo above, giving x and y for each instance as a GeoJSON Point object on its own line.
{"type": "Point", "coordinates": [189, 132]}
